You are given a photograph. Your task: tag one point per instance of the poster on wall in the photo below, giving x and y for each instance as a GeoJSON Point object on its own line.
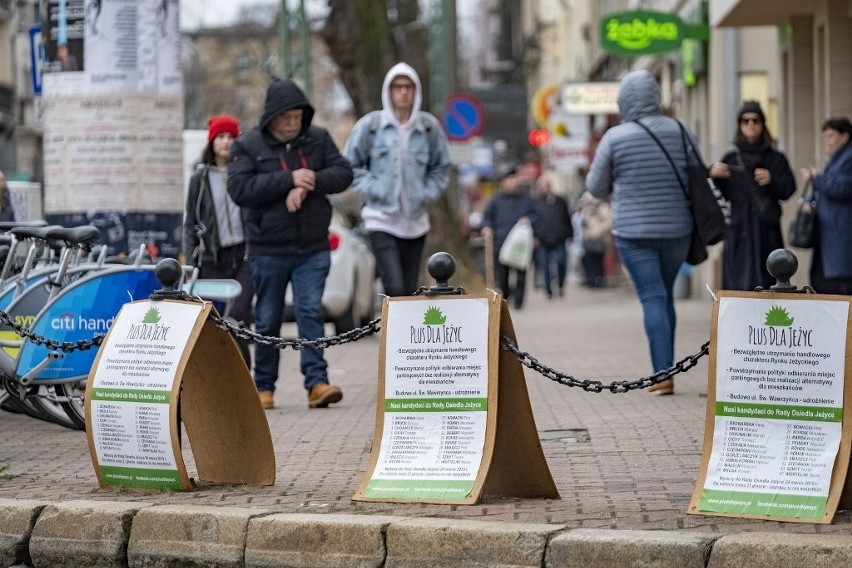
{"type": "Point", "coordinates": [112, 47]}
{"type": "Point", "coordinates": [113, 127]}
{"type": "Point", "coordinates": [63, 26]}
{"type": "Point", "coordinates": [158, 234]}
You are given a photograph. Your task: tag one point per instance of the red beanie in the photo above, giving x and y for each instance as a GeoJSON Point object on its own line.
{"type": "Point", "coordinates": [222, 123]}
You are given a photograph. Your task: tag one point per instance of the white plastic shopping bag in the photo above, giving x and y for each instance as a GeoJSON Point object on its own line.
{"type": "Point", "coordinates": [517, 249]}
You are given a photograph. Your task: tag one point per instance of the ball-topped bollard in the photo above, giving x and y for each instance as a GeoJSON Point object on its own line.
{"type": "Point", "coordinates": [441, 266]}
{"type": "Point", "coordinates": [782, 264]}
{"type": "Point", "coordinates": [168, 272]}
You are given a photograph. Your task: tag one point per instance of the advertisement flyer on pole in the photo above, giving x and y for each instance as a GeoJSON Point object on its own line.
{"type": "Point", "coordinates": [131, 395]}
{"type": "Point", "coordinates": [112, 99]}
{"type": "Point", "coordinates": [435, 400]}
{"type": "Point", "coordinates": [779, 388]}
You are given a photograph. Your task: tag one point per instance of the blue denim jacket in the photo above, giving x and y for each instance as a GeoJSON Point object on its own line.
{"type": "Point", "coordinates": [374, 151]}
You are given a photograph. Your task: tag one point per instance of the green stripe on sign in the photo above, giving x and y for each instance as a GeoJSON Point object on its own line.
{"type": "Point", "coordinates": [780, 412]}
{"type": "Point", "coordinates": [766, 504]}
{"type": "Point", "coordinates": [436, 404]}
{"type": "Point", "coordinates": [443, 489]}
{"type": "Point", "coordinates": [132, 395]}
{"type": "Point", "coordinates": [143, 478]}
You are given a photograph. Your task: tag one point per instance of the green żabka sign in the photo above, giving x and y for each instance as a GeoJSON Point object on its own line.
{"type": "Point", "coordinates": [644, 32]}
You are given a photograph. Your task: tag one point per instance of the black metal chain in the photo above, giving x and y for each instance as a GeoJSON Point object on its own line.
{"type": "Point", "coordinates": [614, 387]}
{"type": "Point", "coordinates": [505, 343]}
{"type": "Point", "coordinates": [51, 344]}
{"type": "Point", "coordinates": [372, 327]}
{"type": "Point", "coordinates": [297, 344]}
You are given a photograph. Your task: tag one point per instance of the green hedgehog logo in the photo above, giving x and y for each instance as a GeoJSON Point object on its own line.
{"type": "Point", "coordinates": [778, 316]}
{"type": "Point", "coordinates": [433, 316]}
{"type": "Point", "coordinates": [151, 316]}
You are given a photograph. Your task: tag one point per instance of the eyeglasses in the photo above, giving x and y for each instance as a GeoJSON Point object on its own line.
{"type": "Point", "coordinates": [750, 121]}
{"type": "Point", "coordinates": [402, 86]}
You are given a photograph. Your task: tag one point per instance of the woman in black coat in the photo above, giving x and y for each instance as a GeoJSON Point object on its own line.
{"type": "Point", "coordinates": [754, 177]}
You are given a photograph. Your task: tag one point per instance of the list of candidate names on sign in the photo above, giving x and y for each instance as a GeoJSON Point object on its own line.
{"type": "Point", "coordinates": [749, 456]}
{"type": "Point", "coordinates": [779, 406]}
{"type": "Point", "coordinates": [137, 438]}
{"type": "Point", "coordinates": [413, 451]}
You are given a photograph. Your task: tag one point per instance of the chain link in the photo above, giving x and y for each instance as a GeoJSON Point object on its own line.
{"type": "Point", "coordinates": [51, 344]}
{"type": "Point", "coordinates": [297, 344]}
{"type": "Point", "coordinates": [614, 387]}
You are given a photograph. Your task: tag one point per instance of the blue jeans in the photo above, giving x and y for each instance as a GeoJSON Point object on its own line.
{"type": "Point", "coordinates": [653, 265]}
{"type": "Point", "coordinates": [547, 254]}
{"type": "Point", "coordinates": [271, 274]}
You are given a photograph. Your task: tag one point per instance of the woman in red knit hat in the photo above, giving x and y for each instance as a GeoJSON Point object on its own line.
{"type": "Point", "coordinates": [213, 237]}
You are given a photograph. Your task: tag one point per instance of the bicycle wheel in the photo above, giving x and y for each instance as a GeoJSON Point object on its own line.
{"type": "Point", "coordinates": [74, 406]}
{"type": "Point", "coordinates": [54, 411]}
{"type": "Point", "coordinates": [9, 403]}
{"type": "Point", "coordinates": [33, 406]}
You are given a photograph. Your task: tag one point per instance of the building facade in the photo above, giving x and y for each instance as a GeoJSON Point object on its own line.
{"type": "Point", "coordinates": [20, 127]}
{"type": "Point", "coordinates": [795, 58]}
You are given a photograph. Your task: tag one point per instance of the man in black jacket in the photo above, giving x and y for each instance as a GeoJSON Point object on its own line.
{"type": "Point", "coordinates": [551, 231]}
{"type": "Point", "coordinates": [280, 173]}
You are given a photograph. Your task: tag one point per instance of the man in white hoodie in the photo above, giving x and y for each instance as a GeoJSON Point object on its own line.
{"type": "Point", "coordinates": [401, 163]}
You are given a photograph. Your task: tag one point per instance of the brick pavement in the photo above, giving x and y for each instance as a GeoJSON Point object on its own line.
{"type": "Point", "coordinates": [626, 461]}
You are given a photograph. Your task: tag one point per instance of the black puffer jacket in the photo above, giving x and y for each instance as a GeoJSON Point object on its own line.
{"type": "Point", "coordinates": [260, 177]}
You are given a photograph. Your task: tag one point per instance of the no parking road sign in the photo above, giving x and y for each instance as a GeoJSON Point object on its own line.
{"type": "Point", "coordinates": [463, 117]}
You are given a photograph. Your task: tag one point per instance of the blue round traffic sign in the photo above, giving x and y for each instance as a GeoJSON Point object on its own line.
{"type": "Point", "coordinates": [463, 117]}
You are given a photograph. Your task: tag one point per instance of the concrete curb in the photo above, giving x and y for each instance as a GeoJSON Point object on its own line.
{"type": "Point", "coordinates": [305, 541]}
{"type": "Point", "coordinates": [105, 533]}
{"type": "Point", "coordinates": [173, 535]}
{"type": "Point", "coordinates": [428, 542]}
{"type": "Point", "coordinates": [83, 533]}
{"type": "Point", "coordinates": [772, 550]}
{"type": "Point", "coordinates": [17, 519]}
{"type": "Point", "coordinates": [599, 548]}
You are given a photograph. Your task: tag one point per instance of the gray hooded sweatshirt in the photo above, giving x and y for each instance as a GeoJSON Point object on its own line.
{"type": "Point", "coordinates": [647, 199]}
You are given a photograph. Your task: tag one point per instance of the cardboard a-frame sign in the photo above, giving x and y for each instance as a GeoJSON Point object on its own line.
{"type": "Point", "coordinates": [453, 417]}
{"type": "Point", "coordinates": [778, 430]}
{"type": "Point", "coordinates": [163, 362]}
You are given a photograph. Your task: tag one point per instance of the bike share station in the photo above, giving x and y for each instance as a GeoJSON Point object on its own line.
{"type": "Point", "coordinates": [453, 417]}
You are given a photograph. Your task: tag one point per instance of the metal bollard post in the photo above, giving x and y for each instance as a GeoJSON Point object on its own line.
{"type": "Point", "coordinates": [169, 273]}
{"type": "Point", "coordinates": [782, 265]}
{"type": "Point", "coordinates": [441, 266]}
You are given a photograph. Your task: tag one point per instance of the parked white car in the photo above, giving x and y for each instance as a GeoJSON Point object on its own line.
{"type": "Point", "coordinates": [350, 298]}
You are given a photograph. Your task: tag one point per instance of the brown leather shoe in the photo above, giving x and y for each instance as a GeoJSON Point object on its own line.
{"type": "Point", "coordinates": [665, 387]}
{"type": "Point", "coordinates": [323, 394]}
{"type": "Point", "coordinates": [266, 399]}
